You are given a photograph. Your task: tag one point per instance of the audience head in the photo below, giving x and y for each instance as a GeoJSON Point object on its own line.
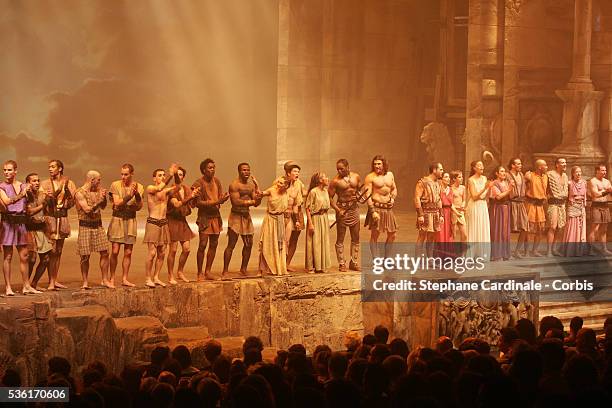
{"type": "Point", "coordinates": [382, 334]}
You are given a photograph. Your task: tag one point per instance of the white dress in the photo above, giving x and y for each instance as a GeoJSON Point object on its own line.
{"type": "Point", "coordinates": [477, 220]}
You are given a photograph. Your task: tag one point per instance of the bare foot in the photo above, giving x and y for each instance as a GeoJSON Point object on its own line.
{"type": "Point", "coordinates": [149, 283]}
{"type": "Point", "coordinates": [159, 282]}
{"type": "Point", "coordinates": [9, 292]}
{"type": "Point", "coordinates": [59, 285]}
{"type": "Point", "coordinates": [182, 277]}
{"type": "Point", "coordinates": [290, 269]}
{"type": "Point", "coordinates": [51, 287]}
{"type": "Point", "coordinates": [85, 286]}
{"type": "Point", "coordinates": [108, 284]}
{"type": "Point", "coordinates": [172, 281]}
{"type": "Point", "coordinates": [208, 276]}
{"type": "Point", "coordinates": [127, 283]}
{"type": "Point", "coordinates": [201, 278]}
{"type": "Point", "coordinates": [243, 272]}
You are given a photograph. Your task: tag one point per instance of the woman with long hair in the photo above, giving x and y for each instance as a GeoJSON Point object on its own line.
{"type": "Point", "coordinates": [575, 231]}
{"type": "Point", "coordinates": [318, 256]}
{"type": "Point", "coordinates": [499, 212]}
{"type": "Point", "coordinates": [273, 244]}
{"type": "Point", "coordinates": [476, 211]}
{"type": "Point", "coordinates": [444, 237]}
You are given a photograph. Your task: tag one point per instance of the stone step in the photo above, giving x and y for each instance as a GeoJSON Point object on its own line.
{"type": "Point", "coordinates": [191, 337]}
{"type": "Point", "coordinates": [593, 314]}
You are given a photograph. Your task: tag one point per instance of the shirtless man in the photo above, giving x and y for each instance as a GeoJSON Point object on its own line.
{"type": "Point", "coordinates": [90, 198]}
{"type": "Point", "coordinates": [242, 196]}
{"type": "Point", "coordinates": [537, 185]}
{"type": "Point", "coordinates": [380, 183]}
{"type": "Point", "coordinates": [126, 196]}
{"type": "Point", "coordinates": [294, 218]}
{"type": "Point", "coordinates": [345, 185]}
{"type": "Point", "coordinates": [428, 205]}
{"type": "Point", "coordinates": [557, 197]}
{"type": "Point", "coordinates": [61, 192]}
{"type": "Point", "coordinates": [37, 229]}
{"type": "Point", "coordinates": [599, 189]}
{"type": "Point", "coordinates": [209, 221]}
{"type": "Point", "coordinates": [157, 235]}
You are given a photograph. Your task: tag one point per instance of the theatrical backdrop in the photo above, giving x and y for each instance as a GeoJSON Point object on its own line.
{"type": "Point", "coordinates": [103, 82]}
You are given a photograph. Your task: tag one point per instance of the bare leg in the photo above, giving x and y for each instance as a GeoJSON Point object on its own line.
{"type": "Point", "coordinates": [152, 252]}
{"type": "Point", "coordinates": [23, 268]}
{"type": "Point", "coordinates": [232, 239]}
{"type": "Point", "coordinates": [85, 271]}
{"type": "Point", "coordinates": [550, 239]}
{"type": "Point", "coordinates": [6, 268]}
{"type": "Point", "coordinates": [127, 261]}
{"type": "Point", "coordinates": [159, 263]}
{"type": "Point", "coordinates": [114, 260]}
{"type": "Point", "coordinates": [291, 248]}
{"type": "Point", "coordinates": [40, 269]}
{"type": "Point", "coordinates": [374, 243]}
{"type": "Point", "coordinates": [389, 244]}
{"type": "Point", "coordinates": [171, 256]}
{"type": "Point", "coordinates": [210, 256]}
{"type": "Point", "coordinates": [54, 265]}
{"type": "Point", "coordinates": [247, 246]}
{"type": "Point", "coordinates": [604, 239]}
{"type": "Point", "coordinates": [32, 255]}
{"type": "Point", "coordinates": [537, 236]}
{"type": "Point", "coordinates": [185, 249]}
{"type": "Point", "coordinates": [104, 270]}
{"type": "Point", "coordinates": [200, 255]}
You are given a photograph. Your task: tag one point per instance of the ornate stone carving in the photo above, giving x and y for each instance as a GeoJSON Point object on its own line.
{"type": "Point", "coordinates": [514, 6]}
{"type": "Point", "coordinates": [540, 132]}
{"type": "Point", "coordinates": [439, 145]}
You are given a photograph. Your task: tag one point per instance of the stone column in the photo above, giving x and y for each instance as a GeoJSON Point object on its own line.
{"type": "Point", "coordinates": [580, 141]}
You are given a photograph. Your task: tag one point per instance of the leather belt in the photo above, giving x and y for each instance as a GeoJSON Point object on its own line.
{"type": "Point", "coordinates": [124, 214]}
{"type": "Point", "coordinates": [556, 201]}
{"type": "Point", "coordinates": [90, 223]}
{"type": "Point", "coordinates": [155, 221]}
{"type": "Point", "coordinates": [386, 206]}
{"type": "Point", "coordinates": [15, 218]}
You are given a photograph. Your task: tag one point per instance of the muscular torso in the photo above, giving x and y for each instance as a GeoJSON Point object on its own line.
{"type": "Point", "coordinates": [599, 186]}
{"type": "Point", "coordinates": [346, 187]}
{"type": "Point", "coordinates": [157, 204]}
{"type": "Point", "coordinates": [242, 191]}
{"type": "Point", "coordinates": [381, 187]}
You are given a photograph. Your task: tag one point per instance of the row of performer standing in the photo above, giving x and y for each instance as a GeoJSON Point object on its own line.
{"type": "Point", "coordinates": [546, 204]}
{"type": "Point", "coordinates": [35, 220]}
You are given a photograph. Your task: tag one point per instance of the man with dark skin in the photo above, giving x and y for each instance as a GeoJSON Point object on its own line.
{"type": "Point", "coordinates": [37, 228]}
{"type": "Point", "coordinates": [345, 186]}
{"type": "Point", "coordinates": [209, 218]}
{"type": "Point", "coordinates": [242, 196]}
{"type": "Point", "coordinates": [61, 191]}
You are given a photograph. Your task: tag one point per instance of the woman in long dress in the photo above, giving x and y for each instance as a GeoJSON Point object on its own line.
{"type": "Point", "coordinates": [477, 213]}
{"type": "Point", "coordinates": [500, 215]}
{"type": "Point", "coordinates": [575, 230]}
{"type": "Point", "coordinates": [272, 244]}
{"type": "Point", "coordinates": [318, 257]}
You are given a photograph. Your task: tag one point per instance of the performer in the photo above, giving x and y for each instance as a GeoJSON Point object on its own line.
{"type": "Point", "coordinates": [458, 207]}
{"type": "Point", "coordinates": [575, 230]}
{"type": "Point", "coordinates": [209, 218]}
{"type": "Point", "coordinates": [272, 244]}
{"type": "Point", "coordinates": [428, 204]}
{"type": "Point", "coordinates": [500, 215]}
{"type": "Point", "coordinates": [444, 237]}
{"type": "Point", "coordinates": [126, 196]}
{"type": "Point", "coordinates": [476, 211]}
{"type": "Point", "coordinates": [90, 198]}
{"type": "Point", "coordinates": [318, 258]}
{"type": "Point", "coordinates": [557, 197]}
{"type": "Point", "coordinates": [61, 191]}
{"type": "Point", "coordinates": [345, 185]}
{"type": "Point", "coordinates": [519, 222]}
{"type": "Point", "coordinates": [242, 196]}
{"type": "Point", "coordinates": [157, 235]}
{"type": "Point", "coordinates": [294, 217]}
{"type": "Point", "coordinates": [535, 198]}
{"type": "Point", "coordinates": [380, 185]}
{"type": "Point", "coordinates": [179, 207]}
{"type": "Point", "coordinates": [14, 234]}
{"type": "Point", "coordinates": [599, 189]}
{"type": "Point", "coordinates": [39, 244]}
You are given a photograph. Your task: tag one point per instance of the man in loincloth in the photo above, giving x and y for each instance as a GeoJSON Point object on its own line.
{"type": "Point", "coordinates": [61, 192]}
{"type": "Point", "coordinates": [294, 216]}
{"type": "Point", "coordinates": [126, 196]}
{"type": "Point", "coordinates": [380, 184]}
{"type": "Point", "coordinates": [40, 246]}
{"type": "Point", "coordinates": [243, 195]}
{"type": "Point", "coordinates": [90, 199]}
{"type": "Point", "coordinates": [345, 186]}
{"type": "Point", "coordinates": [600, 190]}
{"type": "Point", "coordinates": [535, 199]}
{"type": "Point", "coordinates": [558, 184]}
{"type": "Point", "coordinates": [209, 218]}
{"type": "Point", "coordinates": [428, 206]}
{"type": "Point", "coordinates": [157, 235]}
